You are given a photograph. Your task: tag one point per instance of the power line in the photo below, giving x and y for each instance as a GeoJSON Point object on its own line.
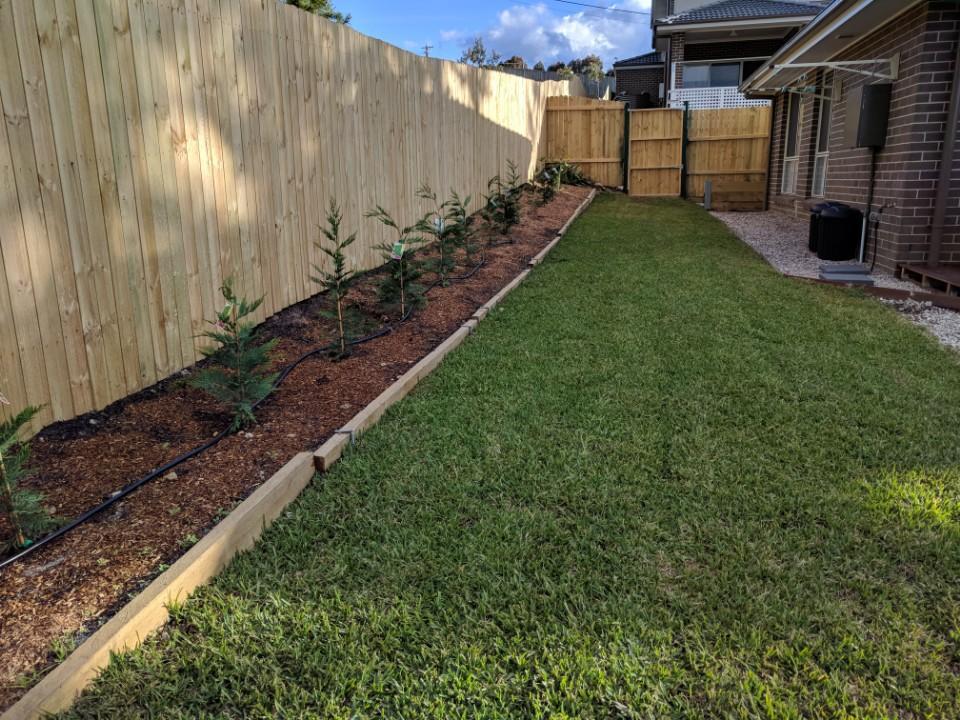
{"type": "Point", "coordinates": [602, 7]}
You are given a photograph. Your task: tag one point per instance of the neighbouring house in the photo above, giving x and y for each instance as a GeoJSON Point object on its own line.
{"type": "Point", "coordinates": [824, 112]}
{"type": "Point", "coordinates": [709, 48]}
{"type": "Point", "coordinates": [640, 79]}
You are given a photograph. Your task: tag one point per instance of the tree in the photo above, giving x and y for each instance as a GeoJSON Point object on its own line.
{"type": "Point", "coordinates": [337, 282]}
{"type": "Point", "coordinates": [238, 375]}
{"type": "Point", "coordinates": [539, 66]}
{"type": "Point", "coordinates": [477, 55]}
{"type": "Point", "coordinates": [594, 71]}
{"type": "Point", "coordinates": [323, 8]}
{"type": "Point", "coordinates": [514, 62]}
{"type": "Point", "coordinates": [557, 67]}
{"type": "Point", "coordinates": [579, 65]}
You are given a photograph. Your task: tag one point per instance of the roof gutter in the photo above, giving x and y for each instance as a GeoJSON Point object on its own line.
{"type": "Point", "coordinates": [774, 22]}
{"type": "Point", "coordinates": [946, 165]}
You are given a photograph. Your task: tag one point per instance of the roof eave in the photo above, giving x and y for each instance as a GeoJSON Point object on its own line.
{"type": "Point", "coordinates": [770, 77]}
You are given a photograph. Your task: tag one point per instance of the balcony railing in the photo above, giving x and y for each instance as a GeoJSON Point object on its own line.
{"type": "Point", "coordinates": [713, 97]}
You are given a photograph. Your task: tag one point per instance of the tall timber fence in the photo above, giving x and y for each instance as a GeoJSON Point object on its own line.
{"type": "Point", "coordinates": [150, 149]}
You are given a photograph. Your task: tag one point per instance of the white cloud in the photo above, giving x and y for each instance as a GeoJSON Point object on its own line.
{"type": "Point", "coordinates": [539, 32]}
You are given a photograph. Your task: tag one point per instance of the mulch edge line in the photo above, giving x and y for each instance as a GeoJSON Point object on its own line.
{"type": "Point", "coordinates": [147, 612]}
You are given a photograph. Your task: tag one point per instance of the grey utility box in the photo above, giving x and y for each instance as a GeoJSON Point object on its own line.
{"type": "Point", "coordinates": [868, 108]}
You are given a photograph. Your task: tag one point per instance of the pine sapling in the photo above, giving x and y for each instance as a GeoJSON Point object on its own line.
{"type": "Point", "coordinates": [238, 378]}
{"type": "Point", "coordinates": [22, 509]}
{"type": "Point", "coordinates": [434, 224]}
{"type": "Point", "coordinates": [502, 209]}
{"type": "Point", "coordinates": [400, 288]}
{"type": "Point", "coordinates": [338, 280]}
{"type": "Point", "coordinates": [460, 225]}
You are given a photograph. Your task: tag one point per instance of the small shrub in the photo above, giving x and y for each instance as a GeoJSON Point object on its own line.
{"type": "Point", "coordinates": [238, 378]}
{"type": "Point", "coordinates": [502, 209]}
{"type": "Point", "coordinates": [435, 225]}
{"type": "Point", "coordinates": [553, 175]}
{"type": "Point", "coordinates": [399, 287]}
{"type": "Point", "coordinates": [22, 509]}
{"type": "Point", "coordinates": [337, 282]}
{"type": "Point", "coordinates": [460, 225]}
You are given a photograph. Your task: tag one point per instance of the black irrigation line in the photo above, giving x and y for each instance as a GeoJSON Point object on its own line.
{"type": "Point", "coordinates": [179, 459]}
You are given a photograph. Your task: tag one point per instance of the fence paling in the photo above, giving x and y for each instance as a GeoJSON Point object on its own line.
{"type": "Point", "coordinates": [152, 148]}
{"type": "Point", "coordinates": [588, 133]}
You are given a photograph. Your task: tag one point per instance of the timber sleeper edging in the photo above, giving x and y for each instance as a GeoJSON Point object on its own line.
{"type": "Point", "coordinates": [147, 612]}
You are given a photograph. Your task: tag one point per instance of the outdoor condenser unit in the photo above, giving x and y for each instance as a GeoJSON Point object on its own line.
{"type": "Point", "coordinates": [868, 108]}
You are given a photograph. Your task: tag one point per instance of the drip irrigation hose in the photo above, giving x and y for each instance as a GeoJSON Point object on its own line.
{"type": "Point", "coordinates": [179, 459]}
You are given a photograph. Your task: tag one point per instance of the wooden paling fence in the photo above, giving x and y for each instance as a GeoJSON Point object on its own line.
{"type": "Point", "coordinates": [671, 152]}
{"type": "Point", "coordinates": [730, 148]}
{"type": "Point", "coordinates": [656, 153]}
{"type": "Point", "coordinates": [589, 133]}
{"type": "Point", "coordinates": [150, 149]}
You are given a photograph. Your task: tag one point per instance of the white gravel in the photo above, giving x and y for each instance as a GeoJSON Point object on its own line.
{"type": "Point", "coordinates": [782, 241]}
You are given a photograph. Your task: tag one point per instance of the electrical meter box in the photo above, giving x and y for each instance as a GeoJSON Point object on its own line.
{"type": "Point", "coordinates": [868, 108]}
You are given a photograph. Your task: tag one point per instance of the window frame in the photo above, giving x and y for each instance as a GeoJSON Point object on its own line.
{"type": "Point", "coordinates": [709, 64]}
{"type": "Point", "coordinates": [791, 163]}
{"type": "Point", "coordinates": [821, 157]}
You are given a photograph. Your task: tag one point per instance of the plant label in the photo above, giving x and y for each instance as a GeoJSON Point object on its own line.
{"type": "Point", "coordinates": [397, 252]}
{"type": "Point", "coordinates": [438, 224]}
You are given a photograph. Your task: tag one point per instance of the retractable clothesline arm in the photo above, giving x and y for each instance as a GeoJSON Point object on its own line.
{"type": "Point", "coordinates": [854, 66]}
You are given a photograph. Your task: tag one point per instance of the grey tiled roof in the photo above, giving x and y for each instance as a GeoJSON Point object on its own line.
{"type": "Point", "coordinates": [650, 58]}
{"type": "Point", "coordinates": [742, 10]}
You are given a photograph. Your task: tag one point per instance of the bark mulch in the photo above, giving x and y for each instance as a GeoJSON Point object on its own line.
{"type": "Point", "coordinates": [53, 599]}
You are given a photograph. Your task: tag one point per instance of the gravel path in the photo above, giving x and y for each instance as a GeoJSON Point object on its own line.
{"type": "Point", "coordinates": [782, 241]}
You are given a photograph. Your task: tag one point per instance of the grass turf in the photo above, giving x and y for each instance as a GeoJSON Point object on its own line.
{"type": "Point", "coordinates": [661, 481]}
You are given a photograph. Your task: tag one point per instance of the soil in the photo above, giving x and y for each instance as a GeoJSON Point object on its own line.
{"type": "Point", "coordinates": [56, 597]}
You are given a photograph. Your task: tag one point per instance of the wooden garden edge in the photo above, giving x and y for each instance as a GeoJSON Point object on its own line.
{"type": "Point", "coordinates": [331, 451]}
{"type": "Point", "coordinates": [147, 612]}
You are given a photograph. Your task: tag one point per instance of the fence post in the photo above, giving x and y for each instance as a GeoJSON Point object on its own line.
{"type": "Point", "coordinates": [626, 148]}
{"type": "Point", "coordinates": [683, 151]}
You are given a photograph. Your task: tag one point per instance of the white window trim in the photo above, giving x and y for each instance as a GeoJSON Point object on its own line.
{"type": "Point", "coordinates": [791, 163]}
{"type": "Point", "coordinates": [821, 158]}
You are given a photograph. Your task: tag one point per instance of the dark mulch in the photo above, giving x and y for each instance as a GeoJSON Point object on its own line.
{"type": "Point", "coordinates": [63, 592]}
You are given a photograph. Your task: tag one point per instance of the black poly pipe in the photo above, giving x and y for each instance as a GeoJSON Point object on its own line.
{"type": "Point", "coordinates": [169, 465]}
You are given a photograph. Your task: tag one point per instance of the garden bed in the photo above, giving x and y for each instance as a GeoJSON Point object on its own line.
{"type": "Point", "coordinates": [52, 599]}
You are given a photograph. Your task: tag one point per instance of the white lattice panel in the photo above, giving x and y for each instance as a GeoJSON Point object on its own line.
{"type": "Point", "coordinates": [713, 97]}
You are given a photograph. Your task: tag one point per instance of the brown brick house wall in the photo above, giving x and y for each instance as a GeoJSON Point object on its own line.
{"type": "Point", "coordinates": [907, 167]}
{"type": "Point", "coordinates": [636, 81]}
{"type": "Point", "coordinates": [732, 50]}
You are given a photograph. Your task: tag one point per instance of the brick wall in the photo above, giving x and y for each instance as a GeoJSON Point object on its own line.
{"type": "Point", "coordinates": [732, 50]}
{"type": "Point", "coordinates": [907, 167]}
{"type": "Point", "coordinates": [635, 82]}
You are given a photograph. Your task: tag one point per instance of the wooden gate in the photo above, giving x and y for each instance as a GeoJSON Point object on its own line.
{"type": "Point", "coordinates": [673, 153]}
{"type": "Point", "coordinates": [588, 133]}
{"type": "Point", "coordinates": [656, 153]}
{"type": "Point", "coordinates": [730, 148]}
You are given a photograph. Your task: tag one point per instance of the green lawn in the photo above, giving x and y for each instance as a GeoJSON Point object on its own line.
{"type": "Point", "coordinates": [660, 481]}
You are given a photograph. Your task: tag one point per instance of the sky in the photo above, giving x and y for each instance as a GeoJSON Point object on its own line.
{"type": "Point", "coordinates": [546, 30]}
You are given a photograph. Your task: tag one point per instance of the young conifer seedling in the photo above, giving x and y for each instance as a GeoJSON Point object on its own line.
{"type": "Point", "coordinates": [338, 280]}
{"type": "Point", "coordinates": [460, 225]}
{"type": "Point", "coordinates": [238, 377]}
{"type": "Point", "coordinates": [400, 287]}
{"type": "Point", "coordinates": [22, 509]}
{"type": "Point", "coordinates": [502, 209]}
{"type": "Point", "coordinates": [435, 225]}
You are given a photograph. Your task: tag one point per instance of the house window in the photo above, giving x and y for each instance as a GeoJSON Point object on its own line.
{"type": "Point", "coordinates": [712, 75]}
{"type": "Point", "coordinates": [823, 144]}
{"type": "Point", "coordinates": [788, 184]}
